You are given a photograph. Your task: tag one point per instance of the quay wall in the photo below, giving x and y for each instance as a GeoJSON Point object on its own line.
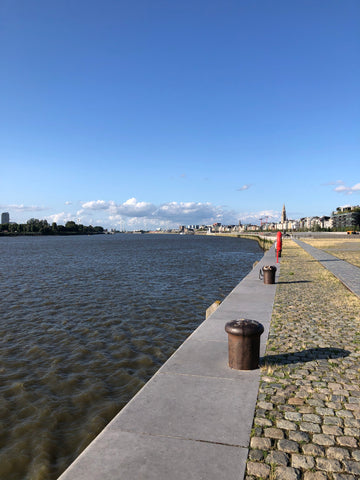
{"type": "Point", "coordinates": [193, 418]}
{"type": "Point", "coordinates": [265, 241]}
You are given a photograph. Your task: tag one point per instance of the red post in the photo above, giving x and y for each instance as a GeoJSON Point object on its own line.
{"type": "Point", "coordinates": [278, 246]}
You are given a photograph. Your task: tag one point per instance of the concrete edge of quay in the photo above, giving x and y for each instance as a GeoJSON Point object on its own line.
{"type": "Point", "coordinates": [193, 418]}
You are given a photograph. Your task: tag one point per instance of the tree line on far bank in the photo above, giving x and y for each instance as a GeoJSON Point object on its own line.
{"type": "Point", "coordinates": [42, 227]}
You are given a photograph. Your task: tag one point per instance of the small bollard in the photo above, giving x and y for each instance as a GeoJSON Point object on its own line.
{"type": "Point", "coordinates": [268, 272]}
{"type": "Point", "coordinates": [244, 343]}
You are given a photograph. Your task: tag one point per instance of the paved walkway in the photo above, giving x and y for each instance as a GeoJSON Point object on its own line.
{"type": "Point", "coordinates": [307, 417]}
{"type": "Point", "coordinates": [348, 274]}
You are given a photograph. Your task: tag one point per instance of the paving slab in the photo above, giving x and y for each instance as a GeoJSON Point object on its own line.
{"type": "Point", "coordinates": [193, 419]}
{"type": "Point", "coordinates": [144, 457]}
{"type": "Point", "coordinates": [205, 358]}
{"type": "Point", "coordinates": [207, 409]}
{"type": "Point", "coordinates": [347, 273]}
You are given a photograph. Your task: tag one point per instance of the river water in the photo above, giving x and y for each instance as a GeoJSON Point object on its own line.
{"type": "Point", "coordinates": [85, 321]}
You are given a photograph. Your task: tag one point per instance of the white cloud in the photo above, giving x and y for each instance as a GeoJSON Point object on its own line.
{"type": "Point", "coordinates": [347, 190]}
{"type": "Point", "coordinates": [255, 217]}
{"type": "Point", "coordinates": [194, 212]}
{"type": "Point", "coordinates": [97, 205]}
{"type": "Point", "coordinates": [244, 187]}
{"type": "Point", "coordinates": [23, 208]}
{"type": "Point", "coordinates": [337, 182]}
{"type": "Point", "coordinates": [133, 208]}
{"type": "Point", "coordinates": [167, 213]}
{"type": "Point", "coordinates": [60, 218]}
{"type": "Point", "coordinates": [341, 187]}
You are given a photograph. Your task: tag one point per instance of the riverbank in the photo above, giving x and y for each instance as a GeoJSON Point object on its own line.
{"type": "Point", "coordinates": [265, 241]}
{"type": "Point", "coordinates": [307, 417]}
{"type": "Point", "coordinates": [193, 418]}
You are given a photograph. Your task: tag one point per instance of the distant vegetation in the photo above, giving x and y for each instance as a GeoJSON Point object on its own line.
{"type": "Point", "coordinates": [42, 227]}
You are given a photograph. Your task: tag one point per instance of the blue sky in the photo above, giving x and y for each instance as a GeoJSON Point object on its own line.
{"type": "Point", "coordinates": [158, 113]}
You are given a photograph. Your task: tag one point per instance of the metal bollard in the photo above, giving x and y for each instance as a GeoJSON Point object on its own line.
{"type": "Point", "coordinates": [244, 343]}
{"type": "Point", "coordinates": [268, 272]}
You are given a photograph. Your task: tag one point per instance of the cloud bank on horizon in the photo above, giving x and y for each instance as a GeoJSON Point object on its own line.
{"type": "Point", "coordinates": [170, 214]}
{"type": "Point", "coordinates": [141, 214]}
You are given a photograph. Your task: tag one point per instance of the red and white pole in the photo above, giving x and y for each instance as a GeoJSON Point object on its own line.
{"type": "Point", "coordinates": [278, 245]}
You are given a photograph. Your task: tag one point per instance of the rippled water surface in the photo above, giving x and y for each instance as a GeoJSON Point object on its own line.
{"type": "Point", "coordinates": [85, 322]}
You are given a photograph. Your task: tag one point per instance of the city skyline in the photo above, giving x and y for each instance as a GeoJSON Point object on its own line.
{"type": "Point", "coordinates": [156, 115]}
{"type": "Point", "coordinates": [263, 223]}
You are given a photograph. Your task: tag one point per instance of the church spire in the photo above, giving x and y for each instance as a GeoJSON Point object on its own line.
{"type": "Point", "coordinates": [283, 215]}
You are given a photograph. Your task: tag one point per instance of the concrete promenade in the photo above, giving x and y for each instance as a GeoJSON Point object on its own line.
{"type": "Point", "coordinates": [348, 274]}
{"type": "Point", "coordinates": [193, 419]}
{"type": "Point", "coordinates": [307, 416]}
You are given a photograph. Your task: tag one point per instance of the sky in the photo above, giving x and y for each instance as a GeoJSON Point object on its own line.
{"type": "Point", "coordinates": [157, 113]}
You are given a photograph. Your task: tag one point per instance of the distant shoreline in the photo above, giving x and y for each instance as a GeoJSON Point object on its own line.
{"type": "Point", "coordinates": [40, 234]}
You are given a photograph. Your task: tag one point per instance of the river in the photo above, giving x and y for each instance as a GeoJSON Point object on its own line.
{"type": "Point", "coordinates": [85, 321]}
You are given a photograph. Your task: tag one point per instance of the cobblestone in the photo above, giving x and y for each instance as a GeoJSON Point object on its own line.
{"type": "Point", "coordinates": [286, 425]}
{"type": "Point", "coordinates": [288, 446]}
{"type": "Point", "coordinates": [287, 473]}
{"type": "Point", "coordinates": [315, 476]}
{"type": "Point", "coordinates": [277, 458]}
{"type": "Point", "coordinates": [347, 441]}
{"type": "Point", "coordinates": [343, 476]}
{"type": "Point", "coordinates": [308, 410]}
{"type": "Point", "coordinates": [299, 436]}
{"type": "Point", "coordinates": [310, 427]}
{"type": "Point", "coordinates": [356, 455]}
{"type": "Point", "coordinates": [275, 433]}
{"type": "Point", "coordinates": [258, 469]}
{"type": "Point", "coordinates": [323, 439]}
{"type": "Point", "coordinates": [352, 467]}
{"type": "Point", "coordinates": [256, 455]}
{"type": "Point", "coordinates": [328, 464]}
{"type": "Point", "coordinates": [260, 443]}
{"type": "Point", "coordinates": [332, 430]}
{"type": "Point", "coordinates": [337, 453]}
{"type": "Point", "coordinates": [302, 461]}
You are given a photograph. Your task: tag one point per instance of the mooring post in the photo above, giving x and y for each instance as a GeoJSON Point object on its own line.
{"type": "Point", "coordinates": [244, 343]}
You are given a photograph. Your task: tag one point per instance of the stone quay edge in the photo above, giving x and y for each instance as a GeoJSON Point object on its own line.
{"type": "Point", "coordinates": [193, 418]}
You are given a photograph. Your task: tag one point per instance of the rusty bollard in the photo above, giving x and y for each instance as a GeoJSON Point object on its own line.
{"type": "Point", "coordinates": [268, 272]}
{"type": "Point", "coordinates": [244, 343]}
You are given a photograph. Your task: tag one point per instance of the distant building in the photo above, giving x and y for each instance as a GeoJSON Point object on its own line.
{"type": "Point", "coordinates": [283, 215]}
{"type": "Point", "coordinates": [326, 222]}
{"type": "Point", "coordinates": [216, 227]}
{"type": "Point", "coordinates": [5, 218]}
{"type": "Point", "coordinates": [346, 217]}
{"type": "Point", "coordinates": [251, 228]}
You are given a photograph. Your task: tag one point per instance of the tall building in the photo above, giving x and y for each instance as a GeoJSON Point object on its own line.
{"type": "Point", "coordinates": [5, 218]}
{"type": "Point", "coordinates": [283, 215]}
{"type": "Point", "coordinates": [346, 217]}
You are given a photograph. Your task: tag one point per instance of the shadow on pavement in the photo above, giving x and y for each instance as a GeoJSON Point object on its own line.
{"type": "Point", "coordinates": [304, 356]}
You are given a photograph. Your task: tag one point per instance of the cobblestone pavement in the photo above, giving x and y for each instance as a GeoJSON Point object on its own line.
{"type": "Point", "coordinates": [349, 274]}
{"type": "Point", "coordinates": [347, 249]}
{"type": "Point", "coordinates": [307, 417]}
